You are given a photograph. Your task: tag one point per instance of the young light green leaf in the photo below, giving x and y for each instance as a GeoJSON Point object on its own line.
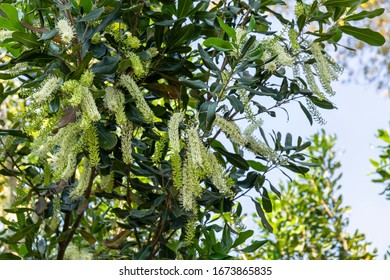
{"type": "Point", "coordinates": [229, 30]}
{"type": "Point", "coordinates": [218, 44]}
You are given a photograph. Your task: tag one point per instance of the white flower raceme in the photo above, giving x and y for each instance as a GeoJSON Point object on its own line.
{"type": "Point", "coordinates": [54, 221]}
{"type": "Point", "coordinates": [323, 68]}
{"type": "Point", "coordinates": [293, 36]}
{"type": "Point", "coordinates": [173, 131]}
{"type": "Point", "coordinates": [83, 182]}
{"type": "Point", "coordinates": [190, 187]}
{"type": "Point", "coordinates": [88, 106]}
{"type": "Point", "coordinates": [115, 102]}
{"type": "Point", "coordinates": [126, 140]}
{"type": "Point", "coordinates": [231, 130]}
{"type": "Point", "coordinates": [107, 182]}
{"type": "Point", "coordinates": [260, 148]}
{"type": "Point", "coordinates": [140, 101]}
{"type": "Point", "coordinates": [136, 64]}
{"type": "Point", "coordinates": [48, 88]}
{"type": "Point", "coordinates": [65, 30]}
{"type": "Point", "coordinates": [86, 78]}
{"type": "Point", "coordinates": [269, 66]}
{"type": "Point", "coordinates": [311, 81]}
{"type": "Point", "coordinates": [132, 41]}
{"type": "Point", "coordinates": [174, 141]}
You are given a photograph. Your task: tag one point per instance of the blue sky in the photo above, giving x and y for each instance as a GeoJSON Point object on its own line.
{"type": "Point", "coordinates": [361, 111]}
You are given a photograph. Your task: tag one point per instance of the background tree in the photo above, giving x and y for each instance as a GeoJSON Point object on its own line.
{"type": "Point", "coordinates": [310, 219]}
{"type": "Point", "coordinates": [119, 110]}
{"type": "Point", "coordinates": [382, 165]}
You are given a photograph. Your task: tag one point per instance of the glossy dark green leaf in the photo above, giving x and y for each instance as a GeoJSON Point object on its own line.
{"type": "Point", "coordinates": [341, 3]}
{"type": "Point", "coordinates": [254, 246]}
{"type": "Point", "coordinates": [242, 237]}
{"type": "Point", "coordinates": [364, 34]}
{"type": "Point", "coordinates": [266, 201]}
{"type": "Point", "coordinates": [54, 105]}
{"type": "Point", "coordinates": [207, 60]}
{"type": "Point", "coordinates": [307, 113]}
{"type": "Point", "coordinates": [262, 216]}
{"type": "Point", "coordinates": [258, 166]}
{"type": "Point", "coordinates": [365, 14]}
{"type": "Point", "coordinates": [107, 139]}
{"type": "Point", "coordinates": [275, 190]}
{"type": "Point", "coordinates": [296, 168]}
{"type": "Point", "coordinates": [184, 7]}
{"type": "Point", "coordinates": [48, 35]}
{"type": "Point", "coordinates": [288, 140]}
{"type": "Point", "coordinates": [108, 65]}
{"type": "Point", "coordinates": [196, 84]}
{"type": "Point", "coordinates": [252, 179]}
{"type": "Point", "coordinates": [207, 115]}
{"type": "Point", "coordinates": [322, 103]}
{"type": "Point", "coordinates": [180, 36]}
{"type": "Point", "coordinates": [234, 159]}
{"type": "Point", "coordinates": [93, 15]}
{"type": "Point", "coordinates": [236, 103]}
{"type": "Point", "coordinates": [218, 44]}
{"type": "Point", "coordinates": [27, 39]}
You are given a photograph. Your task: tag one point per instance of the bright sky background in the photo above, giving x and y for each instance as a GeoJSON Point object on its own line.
{"type": "Point", "coordinates": [361, 111]}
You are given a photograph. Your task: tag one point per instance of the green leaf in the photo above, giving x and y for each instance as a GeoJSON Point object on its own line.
{"type": "Point", "coordinates": [22, 233]}
{"type": "Point", "coordinates": [28, 39]}
{"type": "Point", "coordinates": [139, 214]}
{"type": "Point", "coordinates": [54, 105]}
{"type": "Point", "coordinates": [258, 166]}
{"type": "Point", "coordinates": [242, 237]}
{"type": "Point", "coordinates": [107, 139]}
{"type": "Point", "coordinates": [266, 201]}
{"type": "Point", "coordinates": [87, 5]}
{"type": "Point", "coordinates": [307, 113]}
{"type": "Point", "coordinates": [48, 35]}
{"type": "Point", "coordinates": [184, 7]}
{"type": "Point", "coordinates": [207, 115]}
{"type": "Point", "coordinates": [218, 44]}
{"type": "Point", "coordinates": [108, 65]}
{"type": "Point", "coordinates": [207, 60]}
{"type": "Point", "coordinates": [262, 216]}
{"type": "Point", "coordinates": [9, 256]}
{"type": "Point", "coordinates": [196, 84]}
{"type": "Point", "coordinates": [364, 34]}
{"type": "Point", "coordinates": [94, 15]}
{"type": "Point", "coordinates": [229, 30]}
{"type": "Point", "coordinates": [236, 103]}
{"type": "Point", "coordinates": [322, 103]}
{"type": "Point", "coordinates": [365, 14]}
{"type": "Point", "coordinates": [14, 132]}
{"type": "Point", "coordinates": [341, 3]}
{"type": "Point", "coordinates": [12, 15]}
{"type": "Point", "coordinates": [234, 159]}
{"type": "Point", "coordinates": [143, 253]}
{"type": "Point", "coordinates": [87, 236]}
{"type": "Point", "coordinates": [296, 168]}
{"type": "Point", "coordinates": [254, 246]}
